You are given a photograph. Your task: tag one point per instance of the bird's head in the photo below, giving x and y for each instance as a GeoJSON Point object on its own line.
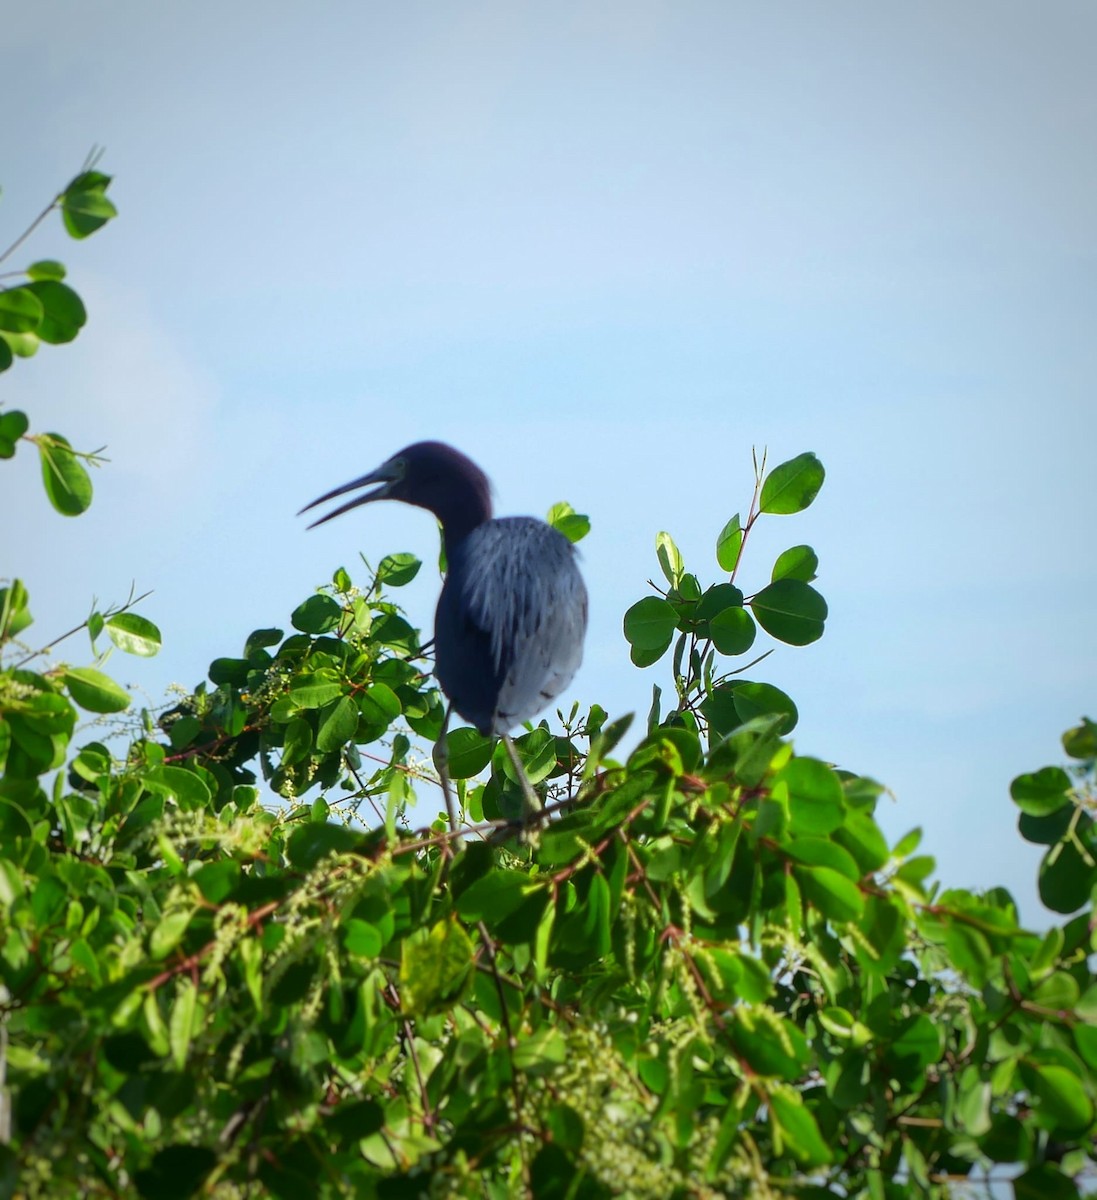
{"type": "Point", "coordinates": [430, 475]}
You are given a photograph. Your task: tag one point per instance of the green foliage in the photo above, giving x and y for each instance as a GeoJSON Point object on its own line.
{"type": "Point", "coordinates": [709, 974]}
{"type": "Point", "coordinates": [39, 308]}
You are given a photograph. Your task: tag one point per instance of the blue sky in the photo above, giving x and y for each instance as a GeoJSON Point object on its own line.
{"type": "Point", "coordinates": [605, 248]}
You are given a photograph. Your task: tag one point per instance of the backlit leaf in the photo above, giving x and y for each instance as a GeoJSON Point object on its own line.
{"type": "Point", "coordinates": [791, 611]}
{"type": "Point", "coordinates": [46, 268]}
{"type": "Point", "coordinates": [84, 204]}
{"type": "Point", "coordinates": [670, 558]}
{"type": "Point", "coordinates": [1041, 793]}
{"type": "Point", "coordinates": [834, 895]}
{"type": "Point", "coordinates": [574, 526]}
{"type": "Point", "coordinates": [133, 634]}
{"type": "Point", "coordinates": [182, 1021]}
{"type": "Point", "coordinates": [793, 485]}
{"type": "Point", "coordinates": [762, 700]}
{"type": "Point", "coordinates": [94, 691]}
{"type": "Point", "coordinates": [63, 312]}
{"type": "Point", "coordinates": [67, 483]}
{"type": "Point", "coordinates": [435, 968]}
{"type": "Point", "coordinates": [650, 624]}
{"type": "Point", "coordinates": [732, 631]}
{"type": "Point", "coordinates": [795, 1129]}
{"type": "Point", "coordinates": [815, 796]}
{"type": "Point", "coordinates": [20, 310]}
{"type": "Point", "coordinates": [468, 752]}
{"type": "Point", "coordinates": [729, 545]}
{"type": "Point", "coordinates": [395, 570]}
{"type": "Point", "coordinates": [799, 562]}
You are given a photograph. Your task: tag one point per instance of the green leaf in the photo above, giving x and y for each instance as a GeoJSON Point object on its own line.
{"type": "Point", "coordinates": [791, 611]}
{"type": "Point", "coordinates": [133, 634]}
{"type": "Point", "coordinates": [14, 613]}
{"type": "Point", "coordinates": [356, 1119]}
{"type": "Point", "coordinates": [395, 570]}
{"type": "Point", "coordinates": [536, 749]}
{"type": "Point", "coordinates": [169, 931]}
{"type": "Point", "coordinates": [835, 896]}
{"type": "Point", "coordinates": [1062, 1103]}
{"type": "Point", "coordinates": [296, 741]}
{"type": "Point", "coordinates": [12, 427]}
{"type": "Point", "coordinates": [816, 803]}
{"type": "Point", "coordinates": [21, 311]}
{"type": "Point", "coordinates": [542, 1053]}
{"type": "Point", "coordinates": [93, 762]}
{"type": "Point", "coordinates": [63, 315]}
{"type": "Point", "coordinates": [181, 1024]}
{"type": "Point", "coordinates": [919, 1043]}
{"type": "Point", "coordinates": [670, 558]}
{"type": "Point", "coordinates": [316, 840]}
{"type": "Point", "coordinates": [84, 204]}
{"type": "Point", "coordinates": [822, 852]}
{"type": "Point", "coordinates": [792, 486]}
{"type": "Point", "coordinates": [762, 700]}
{"type": "Point", "coordinates": [187, 787]}
{"type": "Point", "coordinates": [261, 639]}
{"type": "Point", "coordinates": [94, 691]}
{"type": "Point", "coordinates": [799, 562]}
{"type": "Point", "coordinates": [362, 939]}
{"type": "Point", "coordinates": [1041, 793]}
{"type": "Point", "coordinates": [176, 1173]}
{"type": "Point", "coordinates": [646, 658]}
{"type": "Point", "coordinates": [973, 1103]}
{"type": "Point", "coordinates": [1059, 990]}
{"type": "Point", "coordinates": [46, 268]}
{"type": "Point", "coordinates": [468, 752]}
{"type": "Point", "coordinates": [318, 614]}
{"type": "Point", "coordinates": [729, 545]}
{"type": "Point", "coordinates": [379, 704]}
{"type": "Point", "coordinates": [861, 836]}
{"type": "Point", "coordinates": [338, 723]}
{"type": "Point", "coordinates": [650, 624]}
{"type": "Point", "coordinates": [1044, 1182]}
{"type": "Point", "coordinates": [67, 484]}
{"type": "Point", "coordinates": [1065, 878]}
{"type": "Point", "coordinates": [574, 526]}
{"type": "Point", "coordinates": [495, 894]}
{"type": "Point", "coordinates": [716, 599]}
{"type": "Point", "coordinates": [232, 671]}
{"type": "Point", "coordinates": [1081, 741]}
{"type": "Point", "coordinates": [732, 631]}
{"type": "Point", "coordinates": [22, 345]}
{"type": "Point", "coordinates": [217, 880]}
{"type": "Point", "coordinates": [435, 968]}
{"type": "Point", "coordinates": [795, 1129]}
{"type": "Point", "coordinates": [1046, 831]}
{"type": "Point", "coordinates": [774, 1048]}
{"type": "Point", "coordinates": [313, 690]}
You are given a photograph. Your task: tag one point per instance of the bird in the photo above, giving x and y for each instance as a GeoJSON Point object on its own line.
{"type": "Point", "coordinates": [512, 613]}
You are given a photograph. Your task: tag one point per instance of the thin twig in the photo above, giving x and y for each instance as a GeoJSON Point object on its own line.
{"type": "Point", "coordinates": [76, 629]}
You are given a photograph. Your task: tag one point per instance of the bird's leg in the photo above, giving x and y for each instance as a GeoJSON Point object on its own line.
{"type": "Point", "coordinates": [441, 764]}
{"type": "Point", "coordinates": [533, 801]}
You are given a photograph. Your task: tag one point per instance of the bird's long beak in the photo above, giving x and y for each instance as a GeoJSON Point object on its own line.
{"type": "Point", "coordinates": [386, 475]}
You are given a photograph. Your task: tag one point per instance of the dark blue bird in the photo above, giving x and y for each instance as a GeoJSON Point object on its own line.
{"type": "Point", "coordinates": [508, 631]}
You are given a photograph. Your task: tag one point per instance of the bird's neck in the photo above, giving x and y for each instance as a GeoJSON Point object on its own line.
{"type": "Point", "coordinates": [455, 531]}
{"type": "Point", "coordinates": [459, 517]}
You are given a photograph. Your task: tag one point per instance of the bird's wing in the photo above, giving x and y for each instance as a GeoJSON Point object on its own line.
{"type": "Point", "coordinates": [524, 591]}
